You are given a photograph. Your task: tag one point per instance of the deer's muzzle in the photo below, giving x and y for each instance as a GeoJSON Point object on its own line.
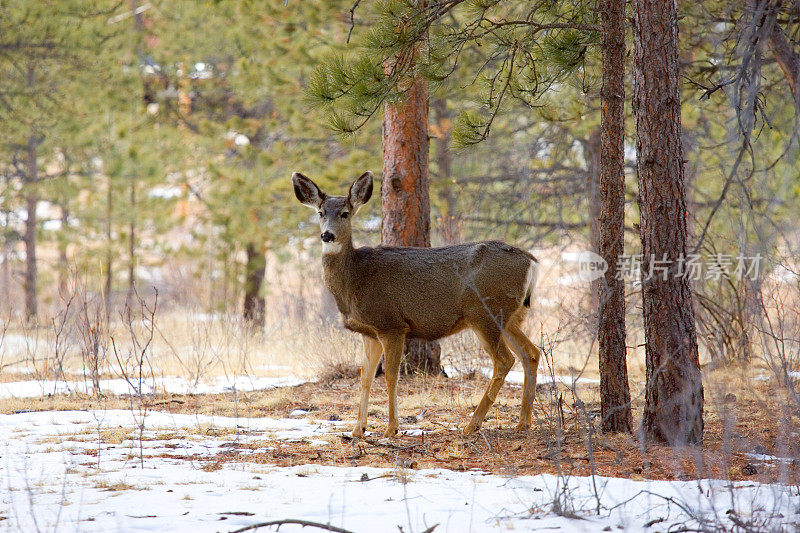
{"type": "Point", "coordinates": [328, 237]}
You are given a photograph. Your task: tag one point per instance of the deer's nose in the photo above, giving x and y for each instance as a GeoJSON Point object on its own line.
{"type": "Point", "coordinates": [328, 237]}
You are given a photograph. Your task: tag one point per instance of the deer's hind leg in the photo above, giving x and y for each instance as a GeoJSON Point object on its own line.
{"type": "Point", "coordinates": [529, 356]}
{"type": "Point", "coordinates": [372, 355]}
{"type": "Point", "coordinates": [492, 339]}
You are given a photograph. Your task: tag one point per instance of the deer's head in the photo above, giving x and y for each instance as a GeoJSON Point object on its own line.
{"type": "Point", "coordinates": [335, 212]}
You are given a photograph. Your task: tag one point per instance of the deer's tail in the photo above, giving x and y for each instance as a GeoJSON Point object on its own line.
{"type": "Point", "coordinates": [530, 282]}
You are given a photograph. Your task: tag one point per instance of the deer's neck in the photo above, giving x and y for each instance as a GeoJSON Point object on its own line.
{"type": "Point", "coordinates": [337, 269]}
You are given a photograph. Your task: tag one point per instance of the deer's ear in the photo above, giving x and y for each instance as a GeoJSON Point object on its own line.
{"type": "Point", "coordinates": [307, 191]}
{"type": "Point", "coordinates": [360, 191]}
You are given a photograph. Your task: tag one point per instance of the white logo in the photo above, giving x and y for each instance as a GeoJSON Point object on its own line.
{"type": "Point", "coordinates": [591, 266]}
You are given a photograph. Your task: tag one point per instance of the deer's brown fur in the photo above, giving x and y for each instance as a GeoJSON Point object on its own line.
{"type": "Point", "coordinates": [388, 293]}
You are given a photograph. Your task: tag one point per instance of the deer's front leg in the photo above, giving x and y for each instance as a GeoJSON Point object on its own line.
{"type": "Point", "coordinates": [393, 351]}
{"type": "Point", "coordinates": [372, 355]}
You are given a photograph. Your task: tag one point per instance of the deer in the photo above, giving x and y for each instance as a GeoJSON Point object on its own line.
{"type": "Point", "coordinates": [387, 293]}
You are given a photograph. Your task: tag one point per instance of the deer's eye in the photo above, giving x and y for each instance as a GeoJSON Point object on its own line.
{"type": "Point", "coordinates": [320, 214]}
{"type": "Point", "coordinates": [345, 215]}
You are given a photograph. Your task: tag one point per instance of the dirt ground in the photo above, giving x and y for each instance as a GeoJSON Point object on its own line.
{"type": "Point", "coordinates": [741, 431]}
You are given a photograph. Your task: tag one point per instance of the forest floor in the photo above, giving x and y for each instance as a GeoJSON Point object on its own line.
{"type": "Point", "coordinates": [745, 436]}
{"type": "Point", "coordinates": [290, 445]}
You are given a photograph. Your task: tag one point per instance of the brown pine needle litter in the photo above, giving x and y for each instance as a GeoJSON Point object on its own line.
{"type": "Point", "coordinates": [747, 436]}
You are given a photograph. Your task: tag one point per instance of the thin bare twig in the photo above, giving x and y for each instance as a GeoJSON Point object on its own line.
{"type": "Point", "coordinates": [352, 19]}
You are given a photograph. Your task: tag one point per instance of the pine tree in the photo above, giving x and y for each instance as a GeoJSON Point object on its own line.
{"type": "Point", "coordinates": [243, 113]}
{"type": "Point", "coordinates": [409, 46]}
{"type": "Point", "coordinates": [615, 396]}
{"type": "Point", "coordinates": [49, 51]}
{"type": "Point", "coordinates": [405, 195]}
{"type": "Point", "coordinates": [674, 391]}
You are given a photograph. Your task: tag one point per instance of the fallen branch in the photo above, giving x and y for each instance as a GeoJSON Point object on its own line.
{"type": "Point", "coordinates": [364, 478]}
{"type": "Point", "coordinates": [304, 523]}
{"type": "Point", "coordinates": [391, 445]}
{"type": "Point", "coordinates": [429, 530]}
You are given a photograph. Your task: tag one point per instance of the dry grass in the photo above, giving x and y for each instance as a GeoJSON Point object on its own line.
{"type": "Point", "coordinates": [117, 435]}
{"type": "Point", "coordinates": [335, 369]}
{"type": "Point", "coordinates": [302, 336]}
{"type": "Point", "coordinates": [119, 486]}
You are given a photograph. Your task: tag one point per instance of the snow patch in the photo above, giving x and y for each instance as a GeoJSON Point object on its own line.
{"type": "Point", "coordinates": [169, 385]}
{"type": "Point", "coordinates": [517, 377]}
{"type": "Point", "coordinates": [58, 473]}
{"type": "Point", "coordinates": [762, 458]}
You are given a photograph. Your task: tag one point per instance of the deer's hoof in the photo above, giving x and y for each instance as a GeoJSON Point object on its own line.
{"type": "Point", "coordinates": [391, 431]}
{"type": "Point", "coordinates": [470, 429]}
{"type": "Point", "coordinates": [358, 431]}
{"type": "Point", "coordinates": [523, 426]}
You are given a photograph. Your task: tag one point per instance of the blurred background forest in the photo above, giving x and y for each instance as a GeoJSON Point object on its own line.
{"type": "Point", "coordinates": [147, 148]}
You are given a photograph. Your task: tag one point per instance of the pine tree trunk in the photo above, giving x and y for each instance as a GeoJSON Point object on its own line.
{"type": "Point", "coordinates": [450, 225]}
{"type": "Point", "coordinates": [132, 244]}
{"type": "Point", "coordinates": [5, 274]}
{"type": "Point", "coordinates": [226, 279]}
{"type": "Point", "coordinates": [615, 396]}
{"type": "Point", "coordinates": [591, 153]}
{"type": "Point", "coordinates": [31, 203]}
{"type": "Point", "coordinates": [254, 304]}
{"type": "Point", "coordinates": [765, 18]}
{"type": "Point", "coordinates": [405, 197]}
{"type": "Point", "coordinates": [673, 411]}
{"type": "Point", "coordinates": [404, 191]}
{"type": "Point", "coordinates": [63, 260]}
{"type": "Point", "coordinates": [31, 180]}
{"type": "Point", "coordinates": [109, 259]}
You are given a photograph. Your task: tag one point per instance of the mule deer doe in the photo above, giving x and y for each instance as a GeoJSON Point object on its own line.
{"type": "Point", "coordinates": [388, 293]}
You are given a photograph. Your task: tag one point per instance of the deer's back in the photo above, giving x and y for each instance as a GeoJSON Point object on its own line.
{"type": "Point", "coordinates": [434, 292]}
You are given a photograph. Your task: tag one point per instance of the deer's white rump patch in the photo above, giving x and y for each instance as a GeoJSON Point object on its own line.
{"type": "Point", "coordinates": [530, 280]}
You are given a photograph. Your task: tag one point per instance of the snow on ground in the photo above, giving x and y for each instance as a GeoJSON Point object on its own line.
{"type": "Point", "coordinates": [516, 377]}
{"type": "Point", "coordinates": [170, 385]}
{"type": "Point", "coordinates": [13, 344]}
{"type": "Point", "coordinates": [50, 479]}
{"type": "Point", "coordinates": [763, 376]}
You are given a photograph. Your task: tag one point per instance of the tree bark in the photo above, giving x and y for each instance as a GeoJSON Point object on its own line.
{"type": "Point", "coordinates": [31, 203]}
{"type": "Point", "coordinates": [450, 224]}
{"type": "Point", "coordinates": [5, 273]}
{"type": "Point", "coordinates": [766, 16]}
{"type": "Point", "coordinates": [254, 304]}
{"type": "Point", "coordinates": [63, 260]}
{"type": "Point", "coordinates": [591, 153]}
{"type": "Point", "coordinates": [109, 259]}
{"type": "Point", "coordinates": [405, 200]}
{"type": "Point", "coordinates": [404, 190]}
{"type": "Point", "coordinates": [132, 244]}
{"type": "Point", "coordinates": [615, 396]}
{"type": "Point", "coordinates": [673, 412]}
